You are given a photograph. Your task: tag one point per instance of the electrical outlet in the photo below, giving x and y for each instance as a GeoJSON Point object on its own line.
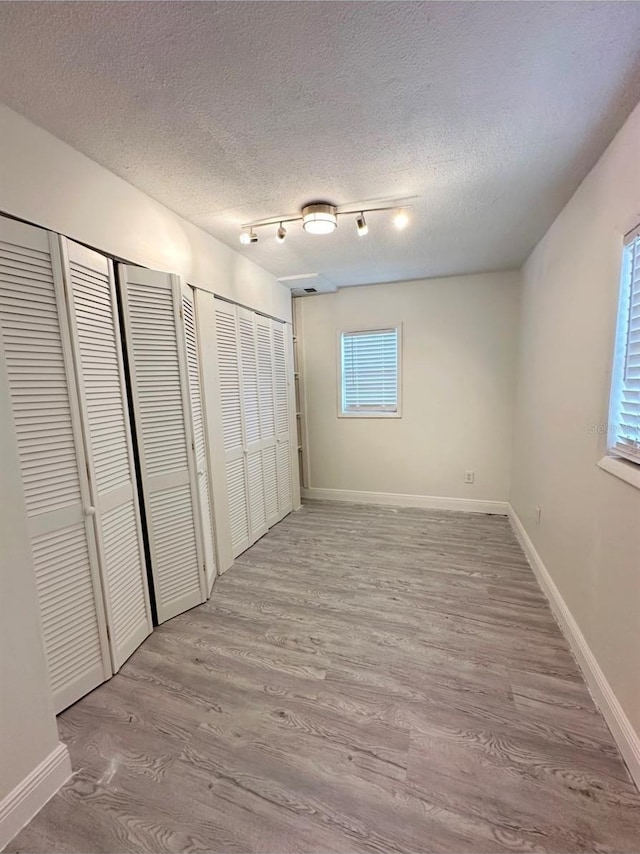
{"type": "Point", "coordinates": [538, 515]}
{"type": "Point", "coordinates": [469, 476]}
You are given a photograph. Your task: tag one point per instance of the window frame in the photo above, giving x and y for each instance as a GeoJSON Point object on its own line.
{"type": "Point", "coordinates": [354, 330]}
{"type": "Point", "coordinates": [620, 356]}
{"type": "Point", "coordinates": [612, 460]}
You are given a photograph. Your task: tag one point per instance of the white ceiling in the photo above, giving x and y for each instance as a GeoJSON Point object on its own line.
{"type": "Point", "coordinates": [228, 112]}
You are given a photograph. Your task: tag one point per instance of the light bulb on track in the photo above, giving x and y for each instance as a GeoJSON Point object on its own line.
{"type": "Point", "coordinates": [361, 225]}
{"type": "Point", "coordinates": [281, 234]}
{"type": "Point", "coordinates": [247, 237]}
{"type": "Point", "coordinates": [401, 220]}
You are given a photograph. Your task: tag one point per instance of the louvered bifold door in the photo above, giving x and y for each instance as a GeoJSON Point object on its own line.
{"type": "Point", "coordinates": [249, 383]}
{"type": "Point", "coordinates": [228, 350]}
{"type": "Point", "coordinates": [35, 340]}
{"type": "Point", "coordinates": [152, 314]}
{"type": "Point", "coordinates": [266, 394]}
{"type": "Point", "coordinates": [283, 438]}
{"type": "Point", "coordinates": [199, 438]}
{"type": "Point", "coordinates": [97, 346]}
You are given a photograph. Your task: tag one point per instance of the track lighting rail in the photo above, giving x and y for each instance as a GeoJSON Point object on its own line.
{"type": "Point", "coordinates": [322, 218]}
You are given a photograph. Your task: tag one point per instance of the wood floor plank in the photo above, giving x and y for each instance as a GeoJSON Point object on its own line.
{"type": "Point", "coordinates": [365, 679]}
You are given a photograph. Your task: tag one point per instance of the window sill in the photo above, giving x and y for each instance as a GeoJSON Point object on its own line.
{"type": "Point", "coordinates": [369, 415]}
{"type": "Point", "coordinates": [627, 471]}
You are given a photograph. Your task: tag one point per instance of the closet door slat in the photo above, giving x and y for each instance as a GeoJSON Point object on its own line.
{"type": "Point", "coordinates": [212, 412]}
{"type": "Point", "coordinates": [104, 406]}
{"type": "Point", "coordinates": [230, 391]}
{"type": "Point", "coordinates": [39, 363]}
{"type": "Point", "coordinates": [159, 383]}
{"type": "Point", "coordinates": [199, 439]}
{"type": "Point", "coordinates": [266, 391]}
{"type": "Point", "coordinates": [251, 421]}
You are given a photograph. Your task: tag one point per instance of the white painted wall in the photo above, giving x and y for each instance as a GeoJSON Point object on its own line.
{"type": "Point", "coordinates": [28, 733]}
{"type": "Point", "coordinates": [589, 534]}
{"type": "Point", "coordinates": [458, 373]}
{"type": "Point", "coordinates": [50, 184]}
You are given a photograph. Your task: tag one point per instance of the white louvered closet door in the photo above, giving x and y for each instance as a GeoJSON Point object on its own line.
{"type": "Point", "coordinates": [199, 438]}
{"type": "Point", "coordinates": [35, 339]}
{"type": "Point", "coordinates": [283, 437]}
{"type": "Point", "coordinates": [266, 393]}
{"type": "Point", "coordinates": [95, 336]}
{"type": "Point", "coordinates": [152, 311]}
{"type": "Point", "coordinates": [249, 382]}
{"type": "Point", "coordinates": [230, 391]}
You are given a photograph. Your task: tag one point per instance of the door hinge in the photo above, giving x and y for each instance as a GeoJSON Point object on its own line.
{"type": "Point", "coordinates": [204, 568]}
{"type": "Point", "coordinates": [193, 445]}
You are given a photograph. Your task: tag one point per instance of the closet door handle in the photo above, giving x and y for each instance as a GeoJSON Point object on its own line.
{"type": "Point", "coordinates": [89, 511]}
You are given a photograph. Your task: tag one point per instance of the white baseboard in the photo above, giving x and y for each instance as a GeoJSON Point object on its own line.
{"type": "Point", "coordinates": [22, 803]}
{"type": "Point", "coordinates": [427, 502]}
{"type": "Point", "coordinates": [626, 737]}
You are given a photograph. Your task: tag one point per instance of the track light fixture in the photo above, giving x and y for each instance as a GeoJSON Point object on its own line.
{"type": "Point", "coordinates": [247, 237]}
{"type": "Point", "coordinates": [321, 218]}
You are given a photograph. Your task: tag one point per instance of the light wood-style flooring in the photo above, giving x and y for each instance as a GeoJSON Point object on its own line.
{"type": "Point", "coordinates": [363, 679]}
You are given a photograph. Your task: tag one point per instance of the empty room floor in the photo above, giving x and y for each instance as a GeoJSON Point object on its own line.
{"type": "Point", "coordinates": [363, 679]}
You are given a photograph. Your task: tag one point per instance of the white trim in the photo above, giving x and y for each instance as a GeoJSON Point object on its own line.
{"type": "Point", "coordinates": [627, 739]}
{"type": "Point", "coordinates": [621, 439]}
{"type": "Point", "coordinates": [297, 342]}
{"type": "Point", "coordinates": [634, 230]}
{"type": "Point", "coordinates": [625, 470]}
{"type": "Point", "coordinates": [427, 502]}
{"type": "Point", "coordinates": [29, 796]}
{"type": "Point", "coordinates": [371, 413]}
{"type": "Point", "coordinates": [292, 403]}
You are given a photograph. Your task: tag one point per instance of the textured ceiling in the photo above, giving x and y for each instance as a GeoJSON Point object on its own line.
{"type": "Point", "coordinates": [490, 113]}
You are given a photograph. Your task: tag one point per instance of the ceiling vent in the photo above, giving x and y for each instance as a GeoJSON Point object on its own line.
{"type": "Point", "coordinates": [298, 288]}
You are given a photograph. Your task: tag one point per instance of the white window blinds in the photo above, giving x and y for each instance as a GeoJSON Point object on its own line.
{"type": "Point", "coordinates": [369, 362]}
{"type": "Point", "coordinates": [624, 420]}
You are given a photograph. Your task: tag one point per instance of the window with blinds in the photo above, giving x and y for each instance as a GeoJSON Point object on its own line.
{"type": "Point", "coordinates": [624, 414]}
{"type": "Point", "coordinates": [370, 372]}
